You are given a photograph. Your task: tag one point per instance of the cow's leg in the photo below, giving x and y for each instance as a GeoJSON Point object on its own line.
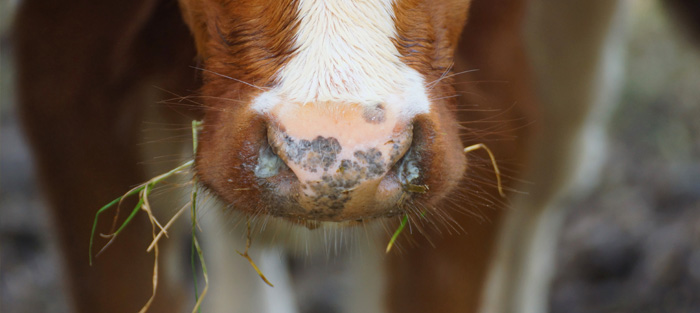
{"type": "Point", "coordinates": [234, 285]}
{"type": "Point", "coordinates": [576, 53]}
{"type": "Point", "coordinates": [496, 109]}
{"type": "Point", "coordinates": [81, 73]}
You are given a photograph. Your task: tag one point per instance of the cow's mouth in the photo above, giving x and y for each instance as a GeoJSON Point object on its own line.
{"type": "Point", "coordinates": [336, 171]}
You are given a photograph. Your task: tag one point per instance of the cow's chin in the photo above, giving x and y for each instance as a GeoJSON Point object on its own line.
{"type": "Point", "coordinates": [239, 162]}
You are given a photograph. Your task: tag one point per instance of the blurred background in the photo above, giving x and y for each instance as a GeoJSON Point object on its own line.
{"type": "Point", "coordinates": [634, 244]}
{"type": "Point", "coordinates": [631, 246]}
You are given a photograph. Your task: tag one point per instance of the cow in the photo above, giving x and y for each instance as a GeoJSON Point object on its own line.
{"type": "Point", "coordinates": [319, 118]}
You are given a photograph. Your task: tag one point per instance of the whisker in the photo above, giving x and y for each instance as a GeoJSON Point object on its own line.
{"type": "Point", "coordinates": [229, 77]}
{"type": "Point", "coordinates": [444, 73]}
{"type": "Point", "coordinates": [434, 83]}
{"type": "Point", "coordinates": [445, 97]}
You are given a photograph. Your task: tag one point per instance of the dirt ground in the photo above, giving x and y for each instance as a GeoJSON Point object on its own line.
{"type": "Point", "coordinates": [631, 246]}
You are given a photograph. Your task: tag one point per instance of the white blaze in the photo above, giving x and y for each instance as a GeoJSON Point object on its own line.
{"type": "Point", "coordinates": [344, 54]}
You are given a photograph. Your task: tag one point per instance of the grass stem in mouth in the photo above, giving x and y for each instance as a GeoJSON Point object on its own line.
{"type": "Point", "coordinates": [396, 234]}
{"type": "Point", "coordinates": [248, 240]}
{"type": "Point", "coordinates": [411, 188]}
{"type": "Point", "coordinates": [143, 191]}
{"type": "Point", "coordinates": [493, 161]}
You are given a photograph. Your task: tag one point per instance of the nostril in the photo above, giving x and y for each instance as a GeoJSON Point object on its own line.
{"type": "Point", "coordinates": [407, 167]}
{"type": "Point", "coordinates": [269, 164]}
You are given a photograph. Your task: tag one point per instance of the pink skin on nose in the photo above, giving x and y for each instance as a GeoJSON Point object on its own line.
{"type": "Point", "coordinates": [339, 153]}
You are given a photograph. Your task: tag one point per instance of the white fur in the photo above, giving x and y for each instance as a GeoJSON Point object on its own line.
{"type": "Point", "coordinates": [345, 55]}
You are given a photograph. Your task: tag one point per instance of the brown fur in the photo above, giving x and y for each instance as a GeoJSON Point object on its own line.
{"type": "Point", "coordinates": [81, 69]}
{"type": "Point", "coordinates": [246, 40]}
{"type": "Point", "coordinates": [82, 75]}
{"type": "Point", "coordinates": [450, 278]}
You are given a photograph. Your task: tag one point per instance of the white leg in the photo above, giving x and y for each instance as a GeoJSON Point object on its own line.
{"type": "Point", "coordinates": [234, 285]}
{"type": "Point", "coordinates": [366, 280]}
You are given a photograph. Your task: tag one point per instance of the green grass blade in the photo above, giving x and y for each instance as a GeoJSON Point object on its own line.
{"type": "Point", "coordinates": [398, 231]}
{"type": "Point", "coordinates": [194, 248]}
{"type": "Point", "coordinates": [102, 210]}
{"type": "Point", "coordinates": [196, 125]}
{"type": "Point", "coordinates": [131, 216]}
{"type": "Point", "coordinates": [144, 191]}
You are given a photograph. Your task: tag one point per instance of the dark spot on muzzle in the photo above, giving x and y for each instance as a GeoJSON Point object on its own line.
{"type": "Point", "coordinates": [320, 153]}
{"type": "Point", "coordinates": [375, 114]}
